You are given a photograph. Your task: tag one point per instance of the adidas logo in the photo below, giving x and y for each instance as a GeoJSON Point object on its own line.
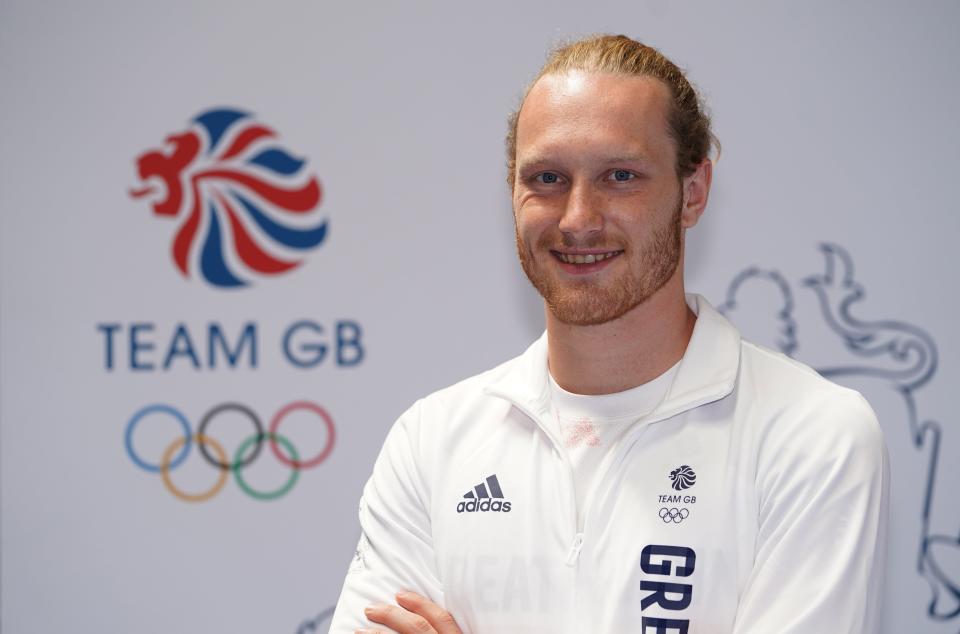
{"type": "Point", "coordinates": [482, 499]}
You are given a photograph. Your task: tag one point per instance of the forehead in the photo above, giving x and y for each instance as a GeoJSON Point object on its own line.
{"type": "Point", "coordinates": [590, 113]}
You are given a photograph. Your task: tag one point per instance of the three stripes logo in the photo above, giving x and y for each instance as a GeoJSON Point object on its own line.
{"type": "Point", "coordinates": [486, 496]}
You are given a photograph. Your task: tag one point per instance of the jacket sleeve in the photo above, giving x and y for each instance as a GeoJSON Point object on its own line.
{"type": "Point", "coordinates": [395, 551]}
{"type": "Point", "coordinates": [822, 486]}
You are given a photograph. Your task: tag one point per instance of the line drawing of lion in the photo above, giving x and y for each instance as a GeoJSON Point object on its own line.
{"type": "Point", "coordinates": [314, 625]}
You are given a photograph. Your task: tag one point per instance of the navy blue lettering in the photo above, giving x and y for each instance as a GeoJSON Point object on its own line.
{"type": "Point", "coordinates": [665, 566]}
{"type": "Point", "coordinates": [663, 626]}
{"type": "Point", "coordinates": [181, 346]}
{"type": "Point", "coordinates": [137, 346]}
{"type": "Point", "coordinates": [216, 338]}
{"type": "Point", "coordinates": [108, 330]}
{"type": "Point", "coordinates": [348, 337]}
{"type": "Point", "coordinates": [659, 591]}
{"type": "Point", "coordinates": [307, 355]}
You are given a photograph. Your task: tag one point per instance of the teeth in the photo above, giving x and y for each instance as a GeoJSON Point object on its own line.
{"type": "Point", "coordinates": [590, 258]}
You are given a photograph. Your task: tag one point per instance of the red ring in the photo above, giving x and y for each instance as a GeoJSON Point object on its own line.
{"type": "Point", "coordinates": [275, 425]}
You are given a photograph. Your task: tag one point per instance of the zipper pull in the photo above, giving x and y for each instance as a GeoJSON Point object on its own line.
{"type": "Point", "coordinates": [575, 550]}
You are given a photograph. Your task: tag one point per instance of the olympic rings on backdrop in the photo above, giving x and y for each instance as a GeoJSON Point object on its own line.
{"type": "Point", "coordinates": [165, 469]}
{"type": "Point", "coordinates": [150, 409]}
{"type": "Point", "coordinates": [249, 450]}
{"type": "Point", "coordinates": [258, 433]}
{"type": "Point", "coordinates": [294, 474]}
{"type": "Point", "coordinates": [320, 457]}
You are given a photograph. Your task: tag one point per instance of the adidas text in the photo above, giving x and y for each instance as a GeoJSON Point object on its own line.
{"type": "Point", "coordinates": [472, 506]}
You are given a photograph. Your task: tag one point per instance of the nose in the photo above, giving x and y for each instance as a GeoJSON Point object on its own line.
{"type": "Point", "coordinates": [582, 215]}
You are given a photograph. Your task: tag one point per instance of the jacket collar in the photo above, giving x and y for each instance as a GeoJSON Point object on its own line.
{"type": "Point", "coordinates": [707, 372]}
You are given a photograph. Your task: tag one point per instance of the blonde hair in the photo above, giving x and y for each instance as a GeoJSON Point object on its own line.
{"type": "Point", "coordinates": [620, 55]}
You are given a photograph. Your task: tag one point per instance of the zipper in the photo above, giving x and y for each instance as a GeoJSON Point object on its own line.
{"type": "Point", "coordinates": [627, 443]}
{"type": "Point", "coordinates": [574, 554]}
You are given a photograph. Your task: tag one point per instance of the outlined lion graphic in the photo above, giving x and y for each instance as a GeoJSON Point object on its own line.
{"type": "Point", "coordinates": [314, 625]}
{"type": "Point", "coordinates": [896, 355]}
{"type": "Point", "coordinates": [244, 205]}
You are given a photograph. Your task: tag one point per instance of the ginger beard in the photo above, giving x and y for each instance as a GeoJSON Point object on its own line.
{"type": "Point", "coordinates": [589, 302]}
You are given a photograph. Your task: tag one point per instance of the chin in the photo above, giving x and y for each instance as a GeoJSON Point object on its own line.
{"type": "Point", "coordinates": [587, 309]}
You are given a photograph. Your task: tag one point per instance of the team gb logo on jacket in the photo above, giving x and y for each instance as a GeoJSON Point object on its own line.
{"type": "Point", "coordinates": [245, 206]}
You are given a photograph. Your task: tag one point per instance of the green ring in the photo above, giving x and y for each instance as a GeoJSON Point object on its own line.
{"type": "Point", "coordinates": [268, 495]}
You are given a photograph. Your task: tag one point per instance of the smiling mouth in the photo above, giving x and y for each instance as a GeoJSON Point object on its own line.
{"type": "Point", "coordinates": [585, 258]}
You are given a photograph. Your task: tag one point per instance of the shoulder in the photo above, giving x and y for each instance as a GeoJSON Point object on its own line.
{"type": "Point", "coordinates": [806, 419]}
{"type": "Point", "coordinates": [780, 382]}
{"type": "Point", "coordinates": [433, 433]}
{"type": "Point", "coordinates": [464, 405]}
{"type": "Point", "coordinates": [464, 395]}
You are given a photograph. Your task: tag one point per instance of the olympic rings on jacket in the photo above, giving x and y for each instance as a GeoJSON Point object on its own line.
{"type": "Point", "coordinates": [673, 515]}
{"type": "Point", "coordinates": [213, 452]}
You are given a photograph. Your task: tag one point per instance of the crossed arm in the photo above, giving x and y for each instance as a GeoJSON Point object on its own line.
{"type": "Point", "coordinates": [413, 614]}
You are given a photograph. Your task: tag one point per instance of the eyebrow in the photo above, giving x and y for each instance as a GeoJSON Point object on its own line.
{"type": "Point", "coordinates": [537, 161]}
{"type": "Point", "coordinates": [629, 158]}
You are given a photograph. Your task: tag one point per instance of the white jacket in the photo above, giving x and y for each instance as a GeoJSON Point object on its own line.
{"type": "Point", "coordinates": [752, 500]}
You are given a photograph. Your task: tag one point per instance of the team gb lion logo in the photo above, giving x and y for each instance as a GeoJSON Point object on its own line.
{"type": "Point", "coordinates": [245, 207]}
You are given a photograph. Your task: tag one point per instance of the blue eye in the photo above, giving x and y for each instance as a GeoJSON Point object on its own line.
{"type": "Point", "coordinates": [621, 176]}
{"type": "Point", "coordinates": [548, 178]}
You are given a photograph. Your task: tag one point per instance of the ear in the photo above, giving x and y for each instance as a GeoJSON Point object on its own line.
{"type": "Point", "coordinates": [696, 190]}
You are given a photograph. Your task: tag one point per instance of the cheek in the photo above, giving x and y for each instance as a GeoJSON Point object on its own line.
{"type": "Point", "coordinates": [533, 220]}
{"type": "Point", "coordinates": [528, 235]}
{"type": "Point", "coordinates": [643, 208]}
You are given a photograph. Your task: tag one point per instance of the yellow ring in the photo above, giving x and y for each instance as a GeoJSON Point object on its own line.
{"type": "Point", "coordinates": [168, 458]}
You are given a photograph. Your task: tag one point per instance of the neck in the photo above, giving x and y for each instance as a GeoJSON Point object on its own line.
{"type": "Point", "coordinates": [626, 352]}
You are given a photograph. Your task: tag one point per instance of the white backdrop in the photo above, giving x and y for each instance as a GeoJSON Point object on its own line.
{"type": "Point", "coordinates": [839, 134]}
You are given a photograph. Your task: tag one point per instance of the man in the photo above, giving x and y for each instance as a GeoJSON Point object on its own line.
{"type": "Point", "coordinates": [640, 468]}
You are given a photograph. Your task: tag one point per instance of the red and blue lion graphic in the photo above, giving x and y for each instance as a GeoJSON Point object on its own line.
{"type": "Point", "coordinates": [245, 206]}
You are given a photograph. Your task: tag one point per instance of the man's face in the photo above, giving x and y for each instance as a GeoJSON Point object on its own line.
{"type": "Point", "coordinates": [597, 201]}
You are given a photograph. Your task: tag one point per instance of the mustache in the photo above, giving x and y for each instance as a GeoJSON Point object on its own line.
{"type": "Point", "coordinates": [566, 241]}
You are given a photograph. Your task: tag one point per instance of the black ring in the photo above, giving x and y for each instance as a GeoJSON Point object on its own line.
{"type": "Point", "coordinates": [243, 409]}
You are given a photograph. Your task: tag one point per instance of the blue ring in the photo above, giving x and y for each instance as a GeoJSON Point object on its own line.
{"type": "Point", "coordinates": [150, 409]}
